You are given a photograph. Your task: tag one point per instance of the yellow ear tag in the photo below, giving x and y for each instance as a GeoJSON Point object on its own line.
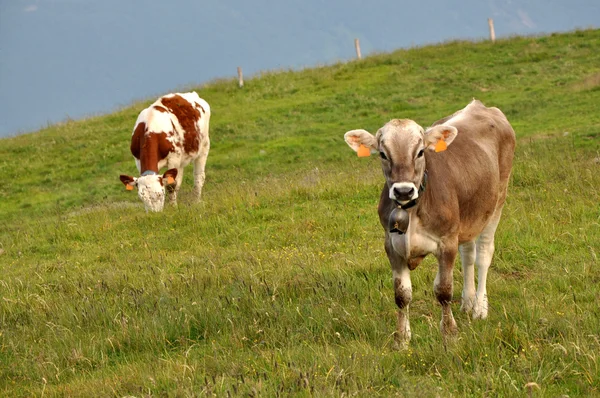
{"type": "Point", "coordinates": [363, 151]}
{"type": "Point", "coordinates": [441, 146]}
{"type": "Point", "coordinates": [129, 187]}
{"type": "Point", "coordinates": [170, 180]}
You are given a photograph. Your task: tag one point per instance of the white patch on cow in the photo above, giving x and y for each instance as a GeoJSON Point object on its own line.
{"type": "Point", "coordinates": [151, 192]}
{"type": "Point", "coordinates": [467, 257]}
{"type": "Point", "coordinates": [460, 115]}
{"type": "Point", "coordinates": [191, 97]}
{"type": "Point", "coordinates": [159, 122]}
{"type": "Point", "coordinates": [142, 117]}
{"type": "Point", "coordinates": [407, 185]}
{"type": "Point", "coordinates": [484, 254]}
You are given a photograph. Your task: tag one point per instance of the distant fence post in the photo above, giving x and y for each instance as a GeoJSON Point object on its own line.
{"type": "Point", "coordinates": [357, 46]}
{"type": "Point", "coordinates": [240, 77]}
{"type": "Point", "coordinates": [492, 33]}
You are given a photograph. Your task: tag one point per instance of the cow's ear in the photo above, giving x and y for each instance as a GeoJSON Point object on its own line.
{"type": "Point", "coordinates": [361, 142]}
{"type": "Point", "coordinates": [437, 138]}
{"type": "Point", "coordinates": [170, 175]}
{"type": "Point", "coordinates": [129, 181]}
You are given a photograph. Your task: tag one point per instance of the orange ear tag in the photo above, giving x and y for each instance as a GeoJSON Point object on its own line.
{"type": "Point", "coordinates": [129, 187]}
{"type": "Point", "coordinates": [441, 146]}
{"type": "Point", "coordinates": [170, 180]}
{"type": "Point", "coordinates": [363, 151]}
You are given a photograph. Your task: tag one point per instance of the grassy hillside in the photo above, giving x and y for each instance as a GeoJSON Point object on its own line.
{"type": "Point", "coordinates": [277, 283]}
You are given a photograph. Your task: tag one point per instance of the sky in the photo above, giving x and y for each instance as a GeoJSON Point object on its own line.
{"type": "Point", "coordinates": [72, 59]}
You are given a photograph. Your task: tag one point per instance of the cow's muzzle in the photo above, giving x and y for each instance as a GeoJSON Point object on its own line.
{"type": "Point", "coordinates": [403, 192]}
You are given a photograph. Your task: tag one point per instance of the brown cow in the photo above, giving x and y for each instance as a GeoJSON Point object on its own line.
{"type": "Point", "coordinates": [171, 133]}
{"type": "Point", "coordinates": [442, 201]}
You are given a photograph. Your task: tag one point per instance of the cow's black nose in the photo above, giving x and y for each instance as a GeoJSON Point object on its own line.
{"type": "Point", "coordinates": [404, 193]}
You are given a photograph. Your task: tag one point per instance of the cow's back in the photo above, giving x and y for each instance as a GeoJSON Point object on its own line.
{"type": "Point", "coordinates": [469, 179]}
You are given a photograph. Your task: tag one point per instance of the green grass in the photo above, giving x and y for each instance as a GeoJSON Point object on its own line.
{"type": "Point", "coordinates": [277, 283]}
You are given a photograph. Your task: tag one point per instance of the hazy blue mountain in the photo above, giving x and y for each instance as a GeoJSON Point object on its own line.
{"type": "Point", "coordinates": [74, 58]}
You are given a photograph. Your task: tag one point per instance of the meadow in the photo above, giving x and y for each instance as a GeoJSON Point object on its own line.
{"type": "Point", "coordinates": [277, 283]}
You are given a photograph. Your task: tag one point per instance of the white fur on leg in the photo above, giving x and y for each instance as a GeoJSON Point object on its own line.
{"type": "Point", "coordinates": [485, 251]}
{"type": "Point", "coordinates": [403, 333]}
{"type": "Point", "coordinates": [199, 167]}
{"type": "Point", "coordinates": [480, 310]}
{"type": "Point", "coordinates": [198, 184]}
{"type": "Point", "coordinates": [467, 256]}
{"type": "Point", "coordinates": [484, 258]}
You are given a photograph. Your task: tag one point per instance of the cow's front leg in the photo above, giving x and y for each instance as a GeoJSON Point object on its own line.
{"type": "Point", "coordinates": [174, 188]}
{"type": "Point", "coordinates": [442, 287]}
{"type": "Point", "coordinates": [402, 293]}
{"type": "Point", "coordinates": [199, 167]}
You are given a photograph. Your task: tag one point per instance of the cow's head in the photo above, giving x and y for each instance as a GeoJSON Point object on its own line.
{"type": "Point", "coordinates": [401, 144]}
{"type": "Point", "coordinates": [151, 187]}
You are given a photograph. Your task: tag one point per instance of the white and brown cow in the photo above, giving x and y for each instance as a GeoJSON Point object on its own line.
{"type": "Point", "coordinates": [444, 192]}
{"type": "Point", "coordinates": [171, 133]}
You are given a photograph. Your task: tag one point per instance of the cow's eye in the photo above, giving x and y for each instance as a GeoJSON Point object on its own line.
{"type": "Point", "coordinates": [382, 155]}
{"type": "Point", "coordinates": [420, 153]}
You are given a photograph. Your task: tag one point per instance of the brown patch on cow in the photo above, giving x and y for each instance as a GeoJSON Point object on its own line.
{"type": "Point", "coordinates": [160, 109]}
{"type": "Point", "coordinates": [188, 116]}
{"type": "Point", "coordinates": [402, 299]}
{"type": "Point", "coordinates": [125, 179]}
{"type": "Point", "coordinates": [414, 262]}
{"type": "Point", "coordinates": [149, 147]}
{"type": "Point", "coordinates": [443, 293]}
{"type": "Point", "coordinates": [156, 147]}
{"type": "Point", "coordinates": [136, 139]}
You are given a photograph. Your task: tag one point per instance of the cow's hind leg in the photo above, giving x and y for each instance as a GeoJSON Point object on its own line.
{"type": "Point", "coordinates": [485, 251]}
{"type": "Point", "coordinates": [199, 167]}
{"type": "Point", "coordinates": [402, 294]}
{"type": "Point", "coordinates": [467, 256]}
{"type": "Point", "coordinates": [442, 287]}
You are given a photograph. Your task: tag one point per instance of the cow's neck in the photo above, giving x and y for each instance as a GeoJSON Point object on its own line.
{"type": "Point", "coordinates": [150, 154]}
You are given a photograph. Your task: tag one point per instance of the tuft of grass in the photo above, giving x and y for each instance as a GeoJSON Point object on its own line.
{"type": "Point", "coordinates": [277, 283]}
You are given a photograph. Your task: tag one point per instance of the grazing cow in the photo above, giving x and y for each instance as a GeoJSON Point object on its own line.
{"type": "Point", "coordinates": [442, 201]}
{"type": "Point", "coordinates": [171, 133]}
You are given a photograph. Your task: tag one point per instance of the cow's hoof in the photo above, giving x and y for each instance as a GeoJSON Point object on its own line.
{"type": "Point", "coordinates": [467, 304]}
{"type": "Point", "coordinates": [401, 345]}
{"type": "Point", "coordinates": [401, 341]}
{"type": "Point", "coordinates": [480, 309]}
{"type": "Point", "coordinates": [448, 327]}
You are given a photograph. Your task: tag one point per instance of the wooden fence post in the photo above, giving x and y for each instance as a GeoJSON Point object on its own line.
{"type": "Point", "coordinates": [357, 46]}
{"type": "Point", "coordinates": [492, 33]}
{"type": "Point", "coordinates": [240, 77]}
